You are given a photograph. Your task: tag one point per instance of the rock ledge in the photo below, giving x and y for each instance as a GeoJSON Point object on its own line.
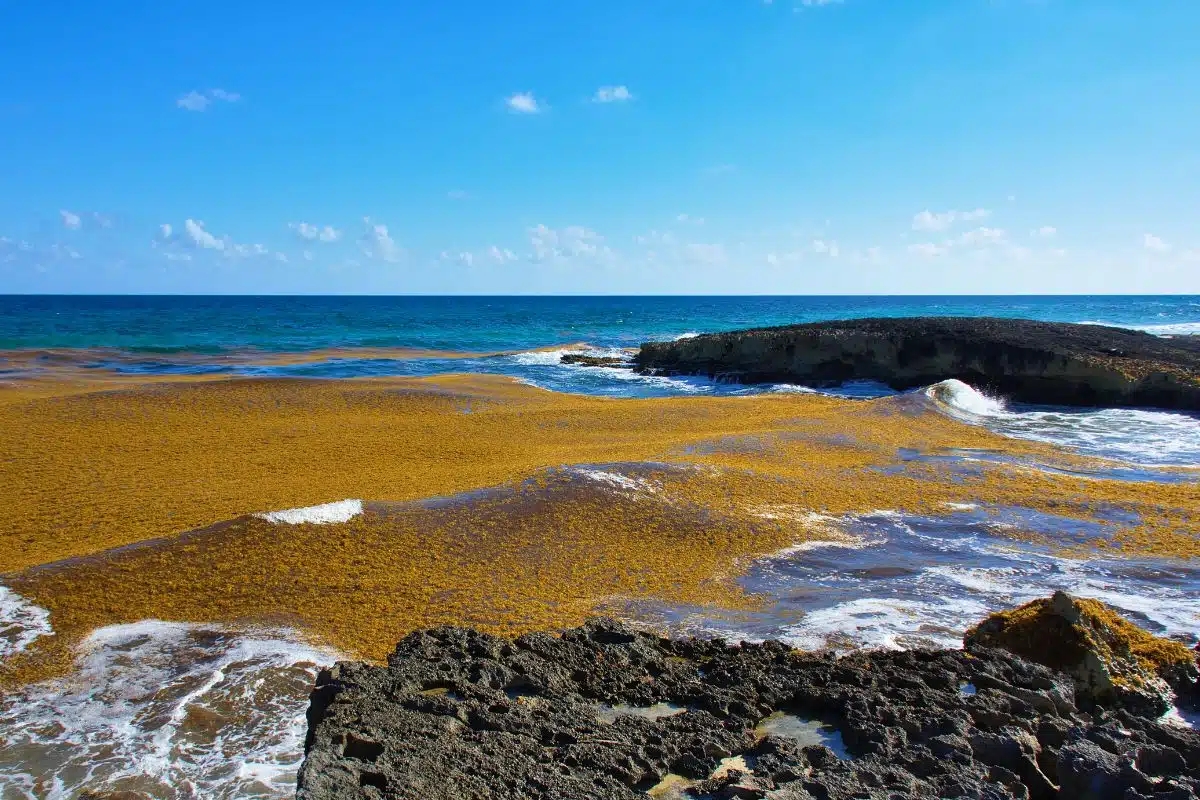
{"type": "Point", "coordinates": [603, 711]}
{"type": "Point", "coordinates": [1025, 360]}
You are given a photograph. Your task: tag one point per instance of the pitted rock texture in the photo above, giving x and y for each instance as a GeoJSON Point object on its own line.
{"type": "Point", "coordinates": [458, 714]}
{"type": "Point", "coordinates": [1024, 360]}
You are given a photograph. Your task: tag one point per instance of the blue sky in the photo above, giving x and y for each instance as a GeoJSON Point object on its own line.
{"type": "Point", "coordinates": [631, 146]}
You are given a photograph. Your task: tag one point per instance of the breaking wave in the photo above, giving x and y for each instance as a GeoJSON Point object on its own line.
{"type": "Point", "coordinates": [164, 710]}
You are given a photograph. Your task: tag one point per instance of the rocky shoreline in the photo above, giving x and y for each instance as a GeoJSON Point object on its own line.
{"type": "Point", "coordinates": [1025, 360]}
{"type": "Point", "coordinates": [604, 711]}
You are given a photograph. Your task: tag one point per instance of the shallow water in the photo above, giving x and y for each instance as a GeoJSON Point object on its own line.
{"type": "Point", "coordinates": [170, 710]}
{"type": "Point", "coordinates": [904, 581]}
{"type": "Point", "coordinates": [164, 710]}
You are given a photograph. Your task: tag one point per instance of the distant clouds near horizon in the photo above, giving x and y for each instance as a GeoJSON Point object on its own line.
{"type": "Point", "coordinates": [741, 147]}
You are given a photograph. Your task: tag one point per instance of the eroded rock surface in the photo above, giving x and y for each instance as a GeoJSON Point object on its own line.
{"type": "Point", "coordinates": [1025, 360]}
{"type": "Point", "coordinates": [459, 714]}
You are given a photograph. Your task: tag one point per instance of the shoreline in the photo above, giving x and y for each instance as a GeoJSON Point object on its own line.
{"type": "Point", "coordinates": [152, 442]}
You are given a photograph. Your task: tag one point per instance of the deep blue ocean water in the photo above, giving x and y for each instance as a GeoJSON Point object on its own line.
{"type": "Point", "coordinates": [486, 324]}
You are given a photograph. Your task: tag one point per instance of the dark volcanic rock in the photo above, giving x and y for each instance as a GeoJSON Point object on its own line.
{"type": "Point", "coordinates": [585, 360]}
{"type": "Point", "coordinates": [1028, 361]}
{"type": "Point", "coordinates": [458, 714]}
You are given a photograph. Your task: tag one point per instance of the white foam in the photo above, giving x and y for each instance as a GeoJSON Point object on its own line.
{"type": "Point", "coordinates": [626, 484]}
{"type": "Point", "coordinates": [880, 622]}
{"type": "Point", "coordinates": [688, 335]}
{"type": "Point", "coordinates": [1181, 719]}
{"type": "Point", "coordinates": [21, 622]}
{"type": "Point", "coordinates": [553, 358]}
{"type": "Point", "coordinates": [328, 513]}
{"type": "Point", "coordinates": [1166, 329]}
{"type": "Point", "coordinates": [963, 397]}
{"type": "Point", "coordinates": [172, 709]}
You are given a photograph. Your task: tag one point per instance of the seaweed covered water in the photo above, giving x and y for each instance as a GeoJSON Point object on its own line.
{"type": "Point", "coordinates": [173, 710]}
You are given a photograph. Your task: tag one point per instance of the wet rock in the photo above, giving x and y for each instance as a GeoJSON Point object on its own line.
{"type": "Point", "coordinates": [584, 360]}
{"type": "Point", "coordinates": [458, 714]}
{"type": "Point", "coordinates": [1111, 661]}
{"type": "Point", "coordinates": [1028, 361]}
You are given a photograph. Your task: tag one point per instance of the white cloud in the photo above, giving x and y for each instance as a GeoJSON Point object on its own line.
{"type": "Point", "coordinates": [193, 101]}
{"type": "Point", "coordinates": [931, 221]}
{"type": "Point", "coordinates": [196, 233]}
{"type": "Point", "coordinates": [378, 243]}
{"type": "Point", "coordinates": [1044, 232]}
{"type": "Point", "coordinates": [612, 94]}
{"type": "Point", "coordinates": [982, 236]}
{"type": "Point", "coordinates": [466, 258]}
{"type": "Point", "coordinates": [523, 103]}
{"type": "Point", "coordinates": [819, 2]}
{"type": "Point", "coordinates": [571, 241]}
{"type": "Point", "coordinates": [1154, 244]}
{"type": "Point", "coordinates": [501, 255]}
{"type": "Point", "coordinates": [173, 256]}
{"type": "Point", "coordinates": [309, 232]}
{"type": "Point", "coordinates": [200, 101]}
{"type": "Point", "coordinates": [307, 255]}
{"type": "Point", "coordinates": [830, 249]}
{"type": "Point", "coordinates": [928, 249]}
{"type": "Point", "coordinates": [164, 231]}
{"type": "Point", "coordinates": [70, 221]}
{"type": "Point", "coordinates": [689, 219]}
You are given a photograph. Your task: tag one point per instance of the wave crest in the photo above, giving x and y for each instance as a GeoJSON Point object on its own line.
{"type": "Point", "coordinates": [963, 398]}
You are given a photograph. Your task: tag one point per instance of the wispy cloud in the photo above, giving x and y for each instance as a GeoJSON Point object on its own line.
{"type": "Point", "coordinates": [573, 241]}
{"type": "Point", "coordinates": [201, 100]}
{"type": "Point", "coordinates": [70, 221]}
{"type": "Point", "coordinates": [524, 103]}
{"type": "Point", "coordinates": [310, 233]}
{"type": "Point", "coordinates": [612, 94]}
{"type": "Point", "coordinates": [199, 237]}
{"type": "Point", "coordinates": [1154, 244]}
{"type": "Point", "coordinates": [928, 249]}
{"type": "Point", "coordinates": [1044, 232]}
{"type": "Point", "coordinates": [377, 243]}
{"type": "Point", "coordinates": [823, 247]}
{"type": "Point", "coordinates": [940, 221]}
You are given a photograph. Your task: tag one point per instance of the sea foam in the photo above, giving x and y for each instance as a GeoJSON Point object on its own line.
{"type": "Point", "coordinates": [173, 709]}
{"type": "Point", "coordinates": [328, 513]}
{"type": "Point", "coordinates": [21, 622]}
{"type": "Point", "coordinates": [963, 397]}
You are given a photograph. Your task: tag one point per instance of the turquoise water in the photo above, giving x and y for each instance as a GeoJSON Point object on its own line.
{"type": "Point", "coordinates": [488, 324]}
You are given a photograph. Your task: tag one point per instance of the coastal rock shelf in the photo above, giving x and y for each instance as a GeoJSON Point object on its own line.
{"type": "Point", "coordinates": [1027, 361]}
{"type": "Point", "coordinates": [604, 711]}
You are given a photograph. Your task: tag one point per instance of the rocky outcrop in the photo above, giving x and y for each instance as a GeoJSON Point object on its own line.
{"type": "Point", "coordinates": [603, 711]}
{"type": "Point", "coordinates": [1027, 361]}
{"type": "Point", "coordinates": [585, 360]}
{"type": "Point", "coordinates": [1112, 661]}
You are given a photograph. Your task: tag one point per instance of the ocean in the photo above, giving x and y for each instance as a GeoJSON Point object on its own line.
{"type": "Point", "coordinates": [167, 709]}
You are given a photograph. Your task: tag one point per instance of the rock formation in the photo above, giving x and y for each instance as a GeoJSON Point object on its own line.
{"type": "Point", "coordinates": [603, 711]}
{"type": "Point", "coordinates": [1112, 661]}
{"type": "Point", "coordinates": [585, 360]}
{"type": "Point", "coordinates": [1027, 361]}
